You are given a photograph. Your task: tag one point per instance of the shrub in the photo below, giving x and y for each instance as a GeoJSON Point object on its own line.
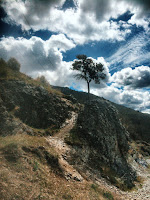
{"type": "Point", "coordinates": [13, 64]}
{"type": "Point", "coordinates": [108, 195]}
{"type": "Point", "coordinates": [43, 81]}
{"type": "Point", "coordinates": [3, 68]}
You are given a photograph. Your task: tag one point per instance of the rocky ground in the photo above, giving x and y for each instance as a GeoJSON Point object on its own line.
{"type": "Point", "coordinates": [141, 190]}
{"type": "Point", "coordinates": [61, 146]}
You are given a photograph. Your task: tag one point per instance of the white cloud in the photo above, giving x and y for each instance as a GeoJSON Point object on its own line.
{"type": "Point", "coordinates": [36, 54]}
{"type": "Point", "coordinates": [133, 78]}
{"type": "Point", "coordinates": [133, 53]}
{"type": "Point", "coordinates": [135, 99]}
{"type": "Point", "coordinates": [62, 76]}
{"type": "Point", "coordinates": [90, 21]}
{"type": "Point", "coordinates": [60, 42]}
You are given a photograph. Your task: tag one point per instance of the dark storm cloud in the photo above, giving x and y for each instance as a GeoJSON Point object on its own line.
{"type": "Point", "coordinates": [133, 78]}
{"type": "Point", "coordinates": [144, 3]}
{"type": "Point", "coordinates": [29, 13]}
{"type": "Point", "coordinates": [100, 7]}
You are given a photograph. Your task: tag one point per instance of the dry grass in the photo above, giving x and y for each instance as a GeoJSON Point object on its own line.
{"type": "Point", "coordinates": [28, 176]}
{"type": "Point", "coordinates": [7, 73]}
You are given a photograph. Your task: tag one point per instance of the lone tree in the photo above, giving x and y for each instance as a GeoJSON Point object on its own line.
{"type": "Point", "coordinates": [89, 70]}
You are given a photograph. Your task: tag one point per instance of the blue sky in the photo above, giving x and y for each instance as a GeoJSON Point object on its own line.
{"type": "Point", "coordinates": [46, 35]}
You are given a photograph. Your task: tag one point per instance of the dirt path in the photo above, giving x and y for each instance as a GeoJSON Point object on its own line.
{"type": "Point", "coordinates": [57, 142]}
{"type": "Point", "coordinates": [141, 192]}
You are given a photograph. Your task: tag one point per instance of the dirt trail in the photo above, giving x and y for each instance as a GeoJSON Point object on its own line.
{"type": "Point", "coordinates": [57, 142]}
{"type": "Point", "coordinates": [142, 192]}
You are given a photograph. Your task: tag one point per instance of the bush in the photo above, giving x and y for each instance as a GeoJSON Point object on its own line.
{"type": "Point", "coordinates": [108, 195]}
{"type": "Point", "coordinates": [3, 68]}
{"type": "Point", "coordinates": [43, 81]}
{"type": "Point", "coordinates": [14, 64]}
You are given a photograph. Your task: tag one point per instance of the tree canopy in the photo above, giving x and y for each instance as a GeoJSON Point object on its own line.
{"type": "Point", "coordinates": [88, 70]}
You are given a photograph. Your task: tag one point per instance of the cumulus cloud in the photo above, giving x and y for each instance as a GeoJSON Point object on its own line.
{"type": "Point", "coordinates": [36, 54]}
{"type": "Point", "coordinates": [62, 76]}
{"type": "Point", "coordinates": [104, 10]}
{"type": "Point", "coordinates": [133, 78]}
{"type": "Point", "coordinates": [135, 99]}
{"type": "Point", "coordinates": [60, 42]}
{"type": "Point", "coordinates": [90, 21]}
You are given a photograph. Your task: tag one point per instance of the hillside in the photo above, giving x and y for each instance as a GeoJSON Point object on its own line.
{"type": "Point", "coordinates": [57, 145]}
{"type": "Point", "coordinates": [136, 123]}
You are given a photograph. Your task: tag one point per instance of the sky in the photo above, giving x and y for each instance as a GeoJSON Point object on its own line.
{"type": "Point", "coordinates": [46, 35]}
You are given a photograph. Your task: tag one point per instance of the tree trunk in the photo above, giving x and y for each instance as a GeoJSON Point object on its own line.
{"type": "Point", "coordinates": [88, 83]}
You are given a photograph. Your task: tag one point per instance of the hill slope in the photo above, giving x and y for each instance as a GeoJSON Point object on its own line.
{"type": "Point", "coordinates": [59, 146]}
{"type": "Point", "coordinates": [136, 123]}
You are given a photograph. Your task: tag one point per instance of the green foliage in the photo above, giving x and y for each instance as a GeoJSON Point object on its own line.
{"type": "Point", "coordinates": [94, 187]}
{"type": "Point", "coordinates": [3, 69]}
{"type": "Point", "coordinates": [14, 64]}
{"type": "Point", "coordinates": [108, 195]}
{"type": "Point", "coordinates": [88, 70]}
{"type": "Point", "coordinates": [35, 165]}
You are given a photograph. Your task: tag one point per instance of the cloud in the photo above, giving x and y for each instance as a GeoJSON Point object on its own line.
{"type": "Point", "coordinates": [133, 78]}
{"type": "Point", "coordinates": [36, 54]}
{"type": "Point", "coordinates": [133, 53]}
{"type": "Point", "coordinates": [135, 99]}
{"type": "Point", "coordinates": [90, 21]}
{"type": "Point", "coordinates": [104, 10]}
{"type": "Point", "coordinates": [60, 42]}
{"type": "Point", "coordinates": [61, 76]}
{"type": "Point", "coordinates": [30, 14]}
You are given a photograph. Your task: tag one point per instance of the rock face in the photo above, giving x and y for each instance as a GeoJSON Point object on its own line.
{"type": "Point", "coordinates": [34, 106]}
{"type": "Point", "coordinates": [104, 143]}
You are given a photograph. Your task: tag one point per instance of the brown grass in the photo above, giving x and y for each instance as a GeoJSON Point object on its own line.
{"type": "Point", "coordinates": [7, 73]}
{"type": "Point", "coordinates": [30, 177]}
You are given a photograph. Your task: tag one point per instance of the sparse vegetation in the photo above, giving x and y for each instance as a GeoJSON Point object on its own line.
{"type": "Point", "coordinates": [108, 195]}
{"type": "Point", "coordinates": [67, 197]}
{"type": "Point", "coordinates": [30, 176]}
{"type": "Point", "coordinates": [14, 64]}
{"type": "Point", "coordinates": [11, 71]}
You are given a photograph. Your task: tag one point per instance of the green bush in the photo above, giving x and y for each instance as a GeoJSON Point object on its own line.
{"type": "Point", "coordinates": [12, 152]}
{"type": "Point", "coordinates": [108, 195]}
{"type": "Point", "coordinates": [3, 68]}
{"type": "Point", "coordinates": [13, 64]}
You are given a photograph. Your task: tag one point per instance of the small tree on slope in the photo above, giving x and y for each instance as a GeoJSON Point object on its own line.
{"type": "Point", "coordinates": [88, 70]}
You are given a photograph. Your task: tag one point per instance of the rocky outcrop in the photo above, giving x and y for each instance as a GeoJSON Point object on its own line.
{"type": "Point", "coordinates": [103, 143]}
{"type": "Point", "coordinates": [33, 105]}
